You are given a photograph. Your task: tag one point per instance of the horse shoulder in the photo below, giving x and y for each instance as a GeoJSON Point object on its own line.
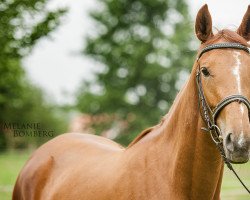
{"type": "Point", "coordinates": [33, 178]}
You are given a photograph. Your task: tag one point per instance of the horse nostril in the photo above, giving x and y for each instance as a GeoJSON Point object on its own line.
{"type": "Point", "coordinates": [229, 142]}
{"type": "Point", "coordinates": [229, 138]}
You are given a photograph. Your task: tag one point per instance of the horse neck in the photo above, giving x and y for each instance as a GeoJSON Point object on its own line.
{"type": "Point", "coordinates": [194, 163]}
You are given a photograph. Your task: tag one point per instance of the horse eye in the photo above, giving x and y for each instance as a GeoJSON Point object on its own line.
{"type": "Point", "coordinates": [205, 71]}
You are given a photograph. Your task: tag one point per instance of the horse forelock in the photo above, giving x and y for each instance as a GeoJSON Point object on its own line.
{"type": "Point", "coordinates": [228, 36]}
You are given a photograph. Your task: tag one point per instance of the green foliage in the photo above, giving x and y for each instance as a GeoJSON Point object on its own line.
{"type": "Point", "coordinates": [22, 24]}
{"type": "Point", "coordinates": [144, 46]}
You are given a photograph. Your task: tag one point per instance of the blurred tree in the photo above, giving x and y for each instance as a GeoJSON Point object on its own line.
{"type": "Point", "coordinates": [22, 24]}
{"type": "Point", "coordinates": [145, 47]}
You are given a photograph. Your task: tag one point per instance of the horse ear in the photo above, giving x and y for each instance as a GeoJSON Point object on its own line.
{"type": "Point", "coordinates": [203, 24]}
{"type": "Point", "coordinates": [244, 29]}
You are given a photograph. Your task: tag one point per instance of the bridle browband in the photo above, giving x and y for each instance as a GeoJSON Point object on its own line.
{"type": "Point", "coordinates": [209, 115]}
{"type": "Point", "coordinates": [223, 46]}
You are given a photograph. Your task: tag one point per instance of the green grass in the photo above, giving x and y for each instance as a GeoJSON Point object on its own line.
{"type": "Point", "coordinates": [231, 187]}
{"type": "Point", "coordinates": [12, 162]}
{"type": "Point", "coordinates": [10, 165]}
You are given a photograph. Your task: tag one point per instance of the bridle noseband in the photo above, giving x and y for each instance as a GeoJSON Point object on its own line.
{"type": "Point", "coordinates": [209, 115]}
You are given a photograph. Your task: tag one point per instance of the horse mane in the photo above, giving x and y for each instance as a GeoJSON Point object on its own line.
{"type": "Point", "coordinates": [227, 35]}
{"type": "Point", "coordinates": [147, 131]}
{"type": "Point", "coordinates": [141, 135]}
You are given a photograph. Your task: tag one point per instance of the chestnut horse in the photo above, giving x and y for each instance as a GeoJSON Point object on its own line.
{"type": "Point", "coordinates": [173, 160]}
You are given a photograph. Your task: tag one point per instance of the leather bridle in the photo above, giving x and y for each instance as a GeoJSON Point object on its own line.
{"type": "Point", "coordinates": [209, 115]}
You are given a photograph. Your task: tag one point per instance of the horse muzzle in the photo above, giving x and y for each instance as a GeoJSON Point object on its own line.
{"type": "Point", "coordinates": [237, 149]}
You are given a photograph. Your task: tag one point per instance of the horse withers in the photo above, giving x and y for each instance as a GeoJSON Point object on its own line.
{"type": "Point", "coordinates": [173, 160]}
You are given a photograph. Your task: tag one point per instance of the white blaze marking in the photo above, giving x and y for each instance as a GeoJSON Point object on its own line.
{"type": "Point", "coordinates": [236, 73]}
{"type": "Point", "coordinates": [236, 70]}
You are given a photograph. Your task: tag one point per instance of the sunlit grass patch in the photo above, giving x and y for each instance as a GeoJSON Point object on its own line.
{"type": "Point", "coordinates": [10, 165]}
{"type": "Point", "coordinates": [231, 187]}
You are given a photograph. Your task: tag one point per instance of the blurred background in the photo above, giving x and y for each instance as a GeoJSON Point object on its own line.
{"type": "Point", "coordinates": [106, 67]}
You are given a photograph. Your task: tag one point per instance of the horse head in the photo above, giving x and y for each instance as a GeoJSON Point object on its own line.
{"type": "Point", "coordinates": [224, 73]}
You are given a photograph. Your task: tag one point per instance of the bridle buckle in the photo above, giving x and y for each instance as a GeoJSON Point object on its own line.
{"type": "Point", "coordinates": [215, 133]}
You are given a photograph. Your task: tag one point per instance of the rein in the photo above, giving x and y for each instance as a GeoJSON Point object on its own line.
{"type": "Point", "coordinates": [209, 115]}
